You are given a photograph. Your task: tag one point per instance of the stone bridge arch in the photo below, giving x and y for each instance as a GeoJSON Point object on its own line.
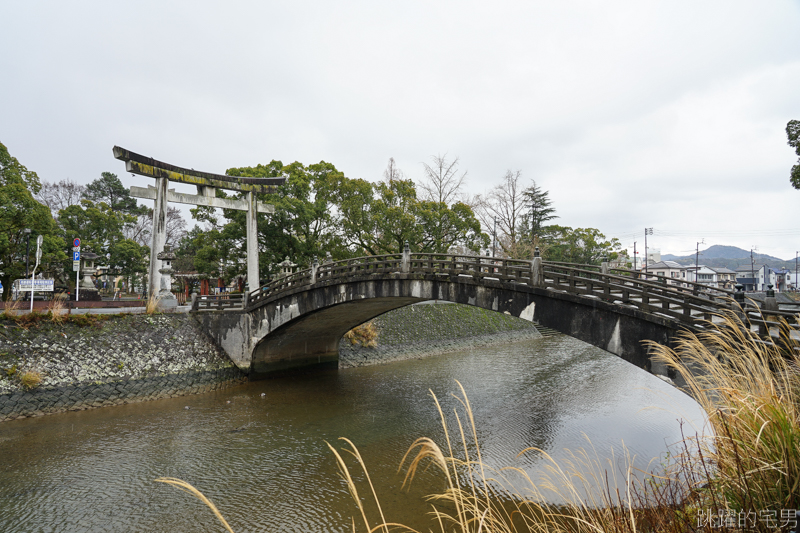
{"type": "Point", "coordinates": [303, 326]}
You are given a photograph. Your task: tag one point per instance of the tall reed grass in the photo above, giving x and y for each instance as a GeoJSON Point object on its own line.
{"type": "Point", "coordinates": [152, 305]}
{"type": "Point", "coordinates": [57, 310]}
{"type": "Point", "coordinates": [10, 308]}
{"type": "Point", "coordinates": [737, 479]}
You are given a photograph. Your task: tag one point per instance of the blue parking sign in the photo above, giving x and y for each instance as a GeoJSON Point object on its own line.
{"type": "Point", "coordinates": [76, 256]}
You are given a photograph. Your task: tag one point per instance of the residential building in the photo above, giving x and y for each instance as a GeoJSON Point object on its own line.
{"type": "Point", "coordinates": [746, 275]}
{"type": "Point", "coordinates": [726, 278]}
{"type": "Point", "coordinates": [777, 277]}
{"type": "Point", "coordinates": [669, 269]}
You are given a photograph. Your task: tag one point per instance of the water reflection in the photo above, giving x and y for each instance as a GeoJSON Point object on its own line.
{"type": "Point", "coordinates": [264, 461]}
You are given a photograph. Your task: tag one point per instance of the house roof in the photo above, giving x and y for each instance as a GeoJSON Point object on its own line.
{"type": "Point", "coordinates": [722, 270]}
{"type": "Point", "coordinates": [748, 268]}
{"type": "Point", "coordinates": [666, 264]}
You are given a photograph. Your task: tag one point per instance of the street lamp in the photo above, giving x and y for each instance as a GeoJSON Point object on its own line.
{"type": "Point", "coordinates": [27, 232]}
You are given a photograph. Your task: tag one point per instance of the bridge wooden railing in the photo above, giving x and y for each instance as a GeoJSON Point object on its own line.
{"type": "Point", "coordinates": [425, 263]}
{"type": "Point", "coordinates": [218, 302]}
{"type": "Point", "coordinates": [687, 302]}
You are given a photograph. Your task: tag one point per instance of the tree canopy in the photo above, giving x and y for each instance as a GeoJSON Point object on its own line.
{"type": "Point", "coordinates": [19, 211]}
{"type": "Point", "coordinates": [793, 135]}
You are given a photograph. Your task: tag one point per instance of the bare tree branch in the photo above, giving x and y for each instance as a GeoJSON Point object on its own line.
{"type": "Point", "coordinates": [443, 183]}
{"type": "Point", "coordinates": [60, 195]}
{"type": "Point", "coordinates": [505, 203]}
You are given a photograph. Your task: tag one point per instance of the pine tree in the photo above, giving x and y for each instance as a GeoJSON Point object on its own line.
{"type": "Point", "coordinates": [538, 211]}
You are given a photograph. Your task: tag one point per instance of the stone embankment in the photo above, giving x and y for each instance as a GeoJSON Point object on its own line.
{"type": "Point", "coordinates": [423, 330]}
{"type": "Point", "coordinates": [96, 361]}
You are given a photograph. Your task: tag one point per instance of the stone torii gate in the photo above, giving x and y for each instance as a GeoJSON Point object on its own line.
{"type": "Point", "coordinates": [206, 182]}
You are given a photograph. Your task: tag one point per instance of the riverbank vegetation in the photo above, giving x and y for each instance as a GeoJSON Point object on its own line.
{"type": "Point", "coordinates": [742, 475]}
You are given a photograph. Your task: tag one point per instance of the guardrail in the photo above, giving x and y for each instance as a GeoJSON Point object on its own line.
{"type": "Point", "coordinates": [218, 302]}
{"type": "Point", "coordinates": [688, 302]}
{"type": "Point", "coordinates": [424, 263]}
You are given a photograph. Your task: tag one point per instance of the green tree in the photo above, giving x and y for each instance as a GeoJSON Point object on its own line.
{"type": "Point", "coordinates": [109, 189]}
{"type": "Point", "coordinates": [20, 210]}
{"type": "Point", "coordinates": [379, 218]}
{"type": "Point", "coordinates": [538, 211]}
{"type": "Point", "coordinates": [128, 258]}
{"type": "Point", "coordinates": [98, 225]}
{"type": "Point", "coordinates": [305, 223]}
{"type": "Point", "coordinates": [793, 135]}
{"type": "Point", "coordinates": [587, 246]}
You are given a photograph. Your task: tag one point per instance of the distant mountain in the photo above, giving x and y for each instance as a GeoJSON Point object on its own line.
{"type": "Point", "coordinates": [728, 256]}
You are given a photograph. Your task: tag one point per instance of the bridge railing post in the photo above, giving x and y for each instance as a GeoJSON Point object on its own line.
{"type": "Point", "coordinates": [314, 267]}
{"type": "Point", "coordinates": [405, 265]}
{"type": "Point", "coordinates": [537, 270]}
{"type": "Point", "coordinates": [604, 267]}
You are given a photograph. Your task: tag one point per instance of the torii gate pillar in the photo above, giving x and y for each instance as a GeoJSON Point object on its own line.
{"type": "Point", "coordinates": [159, 236]}
{"type": "Point", "coordinates": [253, 281]}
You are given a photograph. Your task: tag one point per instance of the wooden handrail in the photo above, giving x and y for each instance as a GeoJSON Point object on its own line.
{"type": "Point", "coordinates": [688, 302]}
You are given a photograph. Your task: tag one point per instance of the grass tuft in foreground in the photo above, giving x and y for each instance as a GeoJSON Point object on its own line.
{"type": "Point", "coordinates": [751, 392]}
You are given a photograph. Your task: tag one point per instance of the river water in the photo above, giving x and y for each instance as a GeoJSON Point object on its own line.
{"type": "Point", "coordinates": [258, 451]}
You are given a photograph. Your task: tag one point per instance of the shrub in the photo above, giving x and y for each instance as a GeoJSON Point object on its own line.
{"type": "Point", "coordinates": [55, 310]}
{"type": "Point", "coordinates": [366, 335]}
{"type": "Point", "coordinates": [30, 379]}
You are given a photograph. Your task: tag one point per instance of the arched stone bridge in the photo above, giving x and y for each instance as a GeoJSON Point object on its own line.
{"type": "Point", "coordinates": [299, 320]}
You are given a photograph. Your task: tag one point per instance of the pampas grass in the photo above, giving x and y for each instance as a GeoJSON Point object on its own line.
{"type": "Point", "coordinates": [10, 307]}
{"type": "Point", "coordinates": [151, 307]}
{"type": "Point", "coordinates": [188, 488]}
{"type": "Point", "coordinates": [751, 391]}
{"type": "Point", "coordinates": [56, 310]}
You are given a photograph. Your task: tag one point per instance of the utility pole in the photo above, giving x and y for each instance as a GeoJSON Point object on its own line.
{"type": "Point", "coordinates": [634, 255]}
{"type": "Point", "coordinates": [795, 270]}
{"type": "Point", "coordinates": [753, 267]}
{"type": "Point", "coordinates": [647, 231]}
{"type": "Point", "coordinates": [696, 262]}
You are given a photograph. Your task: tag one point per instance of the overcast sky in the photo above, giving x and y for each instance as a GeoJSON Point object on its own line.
{"type": "Point", "coordinates": [668, 115]}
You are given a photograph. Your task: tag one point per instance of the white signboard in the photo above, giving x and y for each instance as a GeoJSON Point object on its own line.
{"type": "Point", "coordinates": [39, 285]}
{"type": "Point", "coordinates": [76, 266]}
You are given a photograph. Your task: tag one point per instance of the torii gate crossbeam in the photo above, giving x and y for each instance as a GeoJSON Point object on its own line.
{"type": "Point", "coordinates": [206, 182]}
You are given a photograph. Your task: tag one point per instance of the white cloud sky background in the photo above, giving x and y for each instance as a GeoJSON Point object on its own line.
{"type": "Point", "coordinates": [668, 115]}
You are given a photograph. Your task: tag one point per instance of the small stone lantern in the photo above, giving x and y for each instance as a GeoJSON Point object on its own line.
{"type": "Point", "coordinates": [287, 267]}
{"type": "Point", "coordinates": [88, 269]}
{"type": "Point", "coordinates": [165, 296]}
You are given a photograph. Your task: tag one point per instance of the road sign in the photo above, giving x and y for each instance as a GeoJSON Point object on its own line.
{"type": "Point", "coordinates": [76, 266]}
{"type": "Point", "coordinates": [39, 285]}
{"type": "Point", "coordinates": [76, 248]}
{"type": "Point", "coordinates": [76, 241]}
{"type": "Point", "coordinates": [76, 256]}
